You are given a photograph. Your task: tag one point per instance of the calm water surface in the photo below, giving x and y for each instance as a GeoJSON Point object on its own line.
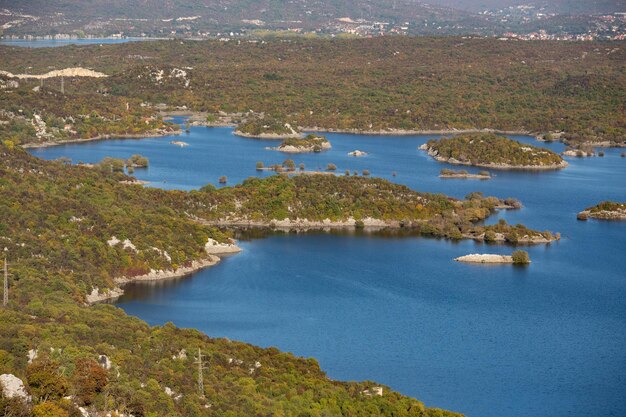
{"type": "Point", "coordinates": [545, 340]}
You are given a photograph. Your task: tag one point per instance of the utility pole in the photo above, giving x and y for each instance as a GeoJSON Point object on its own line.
{"type": "Point", "coordinates": [201, 368]}
{"type": "Point", "coordinates": [5, 299]}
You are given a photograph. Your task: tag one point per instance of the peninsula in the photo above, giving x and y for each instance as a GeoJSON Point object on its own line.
{"type": "Point", "coordinates": [492, 151]}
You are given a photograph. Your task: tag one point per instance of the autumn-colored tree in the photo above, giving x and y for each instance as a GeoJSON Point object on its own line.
{"type": "Point", "coordinates": [89, 379]}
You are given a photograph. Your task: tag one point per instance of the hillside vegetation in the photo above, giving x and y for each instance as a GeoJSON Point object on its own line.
{"type": "Point", "coordinates": [489, 149]}
{"type": "Point", "coordinates": [364, 84]}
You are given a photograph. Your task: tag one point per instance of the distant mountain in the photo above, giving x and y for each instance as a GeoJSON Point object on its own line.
{"type": "Point", "coordinates": [165, 17]}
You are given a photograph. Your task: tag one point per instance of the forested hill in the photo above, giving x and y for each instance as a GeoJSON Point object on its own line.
{"type": "Point", "coordinates": [366, 84]}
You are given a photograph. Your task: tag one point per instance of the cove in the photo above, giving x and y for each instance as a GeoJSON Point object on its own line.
{"type": "Point", "coordinates": [543, 340]}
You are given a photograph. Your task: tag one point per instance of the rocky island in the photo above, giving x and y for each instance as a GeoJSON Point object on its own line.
{"type": "Point", "coordinates": [463, 174]}
{"type": "Point", "coordinates": [518, 257]}
{"type": "Point", "coordinates": [308, 144]}
{"type": "Point", "coordinates": [492, 151]}
{"type": "Point", "coordinates": [607, 210]}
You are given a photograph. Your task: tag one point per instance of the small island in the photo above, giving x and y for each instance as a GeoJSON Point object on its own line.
{"type": "Point", "coordinates": [357, 153]}
{"type": "Point", "coordinates": [463, 174]}
{"type": "Point", "coordinates": [492, 151]}
{"type": "Point", "coordinates": [606, 210]}
{"type": "Point", "coordinates": [518, 257]}
{"type": "Point", "coordinates": [266, 128]}
{"type": "Point", "coordinates": [310, 143]}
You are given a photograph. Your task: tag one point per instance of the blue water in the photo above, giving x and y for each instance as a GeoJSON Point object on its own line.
{"type": "Point", "coordinates": [51, 43]}
{"type": "Point", "coordinates": [544, 340]}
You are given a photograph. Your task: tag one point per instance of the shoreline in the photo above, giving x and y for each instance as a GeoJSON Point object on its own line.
{"type": "Point", "coordinates": [465, 177]}
{"type": "Point", "coordinates": [154, 275]}
{"type": "Point", "coordinates": [102, 137]}
{"type": "Point", "coordinates": [485, 258]}
{"type": "Point", "coordinates": [212, 249]}
{"type": "Point", "coordinates": [408, 132]}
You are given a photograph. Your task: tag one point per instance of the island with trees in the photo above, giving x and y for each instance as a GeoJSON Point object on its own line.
{"type": "Point", "coordinates": [310, 143]}
{"type": "Point", "coordinates": [463, 174]}
{"type": "Point", "coordinates": [330, 201]}
{"type": "Point", "coordinates": [492, 151]}
{"type": "Point", "coordinates": [606, 210]}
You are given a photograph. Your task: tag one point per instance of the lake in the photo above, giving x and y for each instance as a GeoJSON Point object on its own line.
{"type": "Point", "coordinates": [51, 43]}
{"type": "Point", "coordinates": [544, 340]}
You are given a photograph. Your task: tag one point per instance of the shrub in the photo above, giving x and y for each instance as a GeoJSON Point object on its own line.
{"type": "Point", "coordinates": [601, 153]}
{"type": "Point", "coordinates": [301, 166]}
{"type": "Point", "coordinates": [331, 167]}
{"type": "Point", "coordinates": [289, 164]}
{"type": "Point", "coordinates": [138, 161]}
{"type": "Point", "coordinates": [520, 257]}
{"type": "Point", "coordinates": [49, 409]}
{"type": "Point", "coordinates": [366, 172]}
{"type": "Point", "coordinates": [259, 166]}
{"type": "Point", "coordinates": [490, 236]}
{"type": "Point", "coordinates": [222, 179]}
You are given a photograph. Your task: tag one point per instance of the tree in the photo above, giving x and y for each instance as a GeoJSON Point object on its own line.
{"type": "Point", "coordinates": [222, 179]}
{"type": "Point", "coordinates": [520, 257]}
{"type": "Point", "coordinates": [301, 166]}
{"type": "Point", "coordinates": [289, 164]}
{"type": "Point", "coordinates": [366, 172]}
{"type": "Point", "coordinates": [331, 167]}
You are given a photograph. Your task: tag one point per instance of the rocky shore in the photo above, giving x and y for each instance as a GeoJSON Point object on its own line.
{"type": "Point", "coordinates": [485, 258]}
